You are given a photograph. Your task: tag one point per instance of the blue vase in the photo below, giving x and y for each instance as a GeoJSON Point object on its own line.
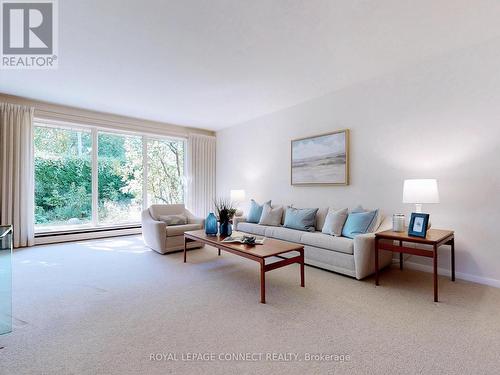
{"type": "Point", "coordinates": [211, 225]}
{"type": "Point", "coordinates": [226, 229]}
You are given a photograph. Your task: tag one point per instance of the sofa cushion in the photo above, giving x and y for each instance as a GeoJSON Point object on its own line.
{"type": "Point", "coordinates": [301, 218]}
{"type": "Point", "coordinates": [252, 228]}
{"type": "Point", "coordinates": [285, 234]}
{"type": "Point", "coordinates": [255, 211]}
{"type": "Point", "coordinates": [334, 222]}
{"type": "Point", "coordinates": [271, 216]}
{"type": "Point", "coordinates": [325, 241]}
{"type": "Point", "coordinates": [178, 230]}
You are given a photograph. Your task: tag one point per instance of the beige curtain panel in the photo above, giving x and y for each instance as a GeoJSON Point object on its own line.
{"type": "Point", "coordinates": [16, 172]}
{"type": "Point", "coordinates": [200, 171]}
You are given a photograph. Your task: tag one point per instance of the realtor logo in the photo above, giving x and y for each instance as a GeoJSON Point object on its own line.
{"type": "Point", "coordinates": [29, 34]}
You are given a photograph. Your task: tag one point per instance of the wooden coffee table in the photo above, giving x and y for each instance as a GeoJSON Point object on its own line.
{"type": "Point", "coordinates": [258, 253]}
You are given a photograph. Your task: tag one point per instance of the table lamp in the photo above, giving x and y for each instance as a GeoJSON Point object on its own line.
{"type": "Point", "coordinates": [420, 191]}
{"type": "Point", "coordinates": [237, 196]}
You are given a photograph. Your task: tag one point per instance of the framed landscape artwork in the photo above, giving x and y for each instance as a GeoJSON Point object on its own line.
{"type": "Point", "coordinates": [321, 159]}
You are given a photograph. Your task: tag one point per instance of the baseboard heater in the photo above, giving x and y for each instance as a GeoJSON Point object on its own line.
{"type": "Point", "coordinates": [85, 234]}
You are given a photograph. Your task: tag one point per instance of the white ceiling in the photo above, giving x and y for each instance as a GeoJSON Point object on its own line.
{"type": "Point", "coordinates": [216, 63]}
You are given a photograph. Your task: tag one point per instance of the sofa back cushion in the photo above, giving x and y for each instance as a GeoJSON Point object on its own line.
{"type": "Point", "coordinates": [157, 210]}
{"type": "Point", "coordinates": [359, 223]}
{"type": "Point", "coordinates": [301, 218]}
{"type": "Point", "coordinates": [271, 215]}
{"type": "Point", "coordinates": [334, 222]}
{"type": "Point", "coordinates": [255, 211]}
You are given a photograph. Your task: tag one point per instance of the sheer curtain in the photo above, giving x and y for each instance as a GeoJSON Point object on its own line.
{"type": "Point", "coordinates": [17, 172]}
{"type": "Point", "coordinates": [200, 171]}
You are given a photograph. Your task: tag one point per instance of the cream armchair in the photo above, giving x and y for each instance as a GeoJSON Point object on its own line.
{"type": "Point", "coordinates": [164, 238]}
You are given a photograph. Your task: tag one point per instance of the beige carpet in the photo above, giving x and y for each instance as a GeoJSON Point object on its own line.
{"type": "Point", "coordinates": [105, 306]}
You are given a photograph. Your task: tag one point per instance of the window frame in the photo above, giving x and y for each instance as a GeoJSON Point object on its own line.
{"type": "Point", "coordinates": [94, 131]}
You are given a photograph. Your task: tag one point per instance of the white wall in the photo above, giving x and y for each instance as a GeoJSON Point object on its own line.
{"type": "Point", "coordinates": [437, 119]}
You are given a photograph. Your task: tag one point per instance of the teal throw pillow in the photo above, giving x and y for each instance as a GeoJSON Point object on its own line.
{"type": "Point", "coordinates": [301, 218]}
{"type": "Point", "coordinates": [358, 223]}
{"type": "Point", "coordinates": [255, 211]}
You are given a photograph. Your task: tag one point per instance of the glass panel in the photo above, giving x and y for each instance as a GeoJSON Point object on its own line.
{"type": "Point", "coordinates": [165, 171]}
{"type": "Point", "coordinates": [63, 178]}
{"type": "Point", "coordinates": [120, 178]}
{"type": "Point", "coordinates": [5, 279]}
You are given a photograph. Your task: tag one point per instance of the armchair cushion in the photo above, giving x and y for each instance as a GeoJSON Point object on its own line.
{"type": "Point", "coordinates": [178, 230]}
{"type": "Point", "coordinates": [174, 219]}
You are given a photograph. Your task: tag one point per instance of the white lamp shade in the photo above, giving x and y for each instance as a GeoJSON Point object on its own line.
{"type": "Point", "coordinates": [420, 191]}
{"type": "Point", "coordinates": [237, 195]}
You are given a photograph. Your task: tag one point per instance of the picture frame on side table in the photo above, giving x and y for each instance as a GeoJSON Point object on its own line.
{"type": "Point", "coordinates": [419, 224]}
{"type": "Point", "coordinates": [321, 159]}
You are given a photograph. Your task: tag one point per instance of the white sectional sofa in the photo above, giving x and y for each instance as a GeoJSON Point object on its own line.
{"type": "Point", "coordinates": [352, 257]}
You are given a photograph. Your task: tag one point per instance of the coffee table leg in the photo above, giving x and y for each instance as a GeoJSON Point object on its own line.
{"type": "Point", "coordinates": [435, 261]}
{"type": "Point", "coordinates": [262, 282]}
{"type": "Point", "coordinates": [376, 261]}
{"type": "Point", "coordinates": [302, 281]}
{"type": "Point", "coordinates": [453, 260]}
{"type": "Point", "coordinates": [185, 242]}
{"type": "Point", "coordinates": [219, 252]}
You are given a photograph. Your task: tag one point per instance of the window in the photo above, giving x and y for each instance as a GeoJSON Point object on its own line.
{"type": "Point", "coordinates": [85, 177]}
{"type": "Point", "coordinates": [119, 177]}
{"type": "Point", "coordinates": [63, 177]}
{"type": "Point", "coordinates": [165, 171]}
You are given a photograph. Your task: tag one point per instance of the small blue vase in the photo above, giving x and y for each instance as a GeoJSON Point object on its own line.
{"type": "Point", "coordinates": [211, 225]}
{"type": "Point", "coordinates": [226, 229]}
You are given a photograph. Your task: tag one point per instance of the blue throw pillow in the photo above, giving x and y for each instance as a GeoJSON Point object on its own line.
{"type": "Point", "coordinates": [255, 211]}
{"type": "Point", "coordinates": [358, 223]}
{"type": "Point", "coordinates": [301, 218]}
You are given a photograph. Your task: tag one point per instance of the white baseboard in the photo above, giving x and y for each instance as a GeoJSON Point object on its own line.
{"type": "Point", "coordinates": [458, 275]}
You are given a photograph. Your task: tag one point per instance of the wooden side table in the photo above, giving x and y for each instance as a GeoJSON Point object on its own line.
{"type": "Point", "coordinates": [434, 238]}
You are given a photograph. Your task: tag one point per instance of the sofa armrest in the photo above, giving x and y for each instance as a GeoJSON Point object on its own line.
{"type": "Point", "coordinates": [154, 232]}
{"type": "Point", "coordinates": [237, 220]}
{"type": "Point", "coordinates": [364, 255]}
{"type": "Point", "coordinates": [194, 220]}
{"type": "Point", "coordinates": [386, 224]}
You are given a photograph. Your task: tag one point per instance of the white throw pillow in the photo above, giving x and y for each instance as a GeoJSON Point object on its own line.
{"type": "Point", "coordinates": [271, 216]}
{"type": "Point", "coordinates": [334, 222]}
